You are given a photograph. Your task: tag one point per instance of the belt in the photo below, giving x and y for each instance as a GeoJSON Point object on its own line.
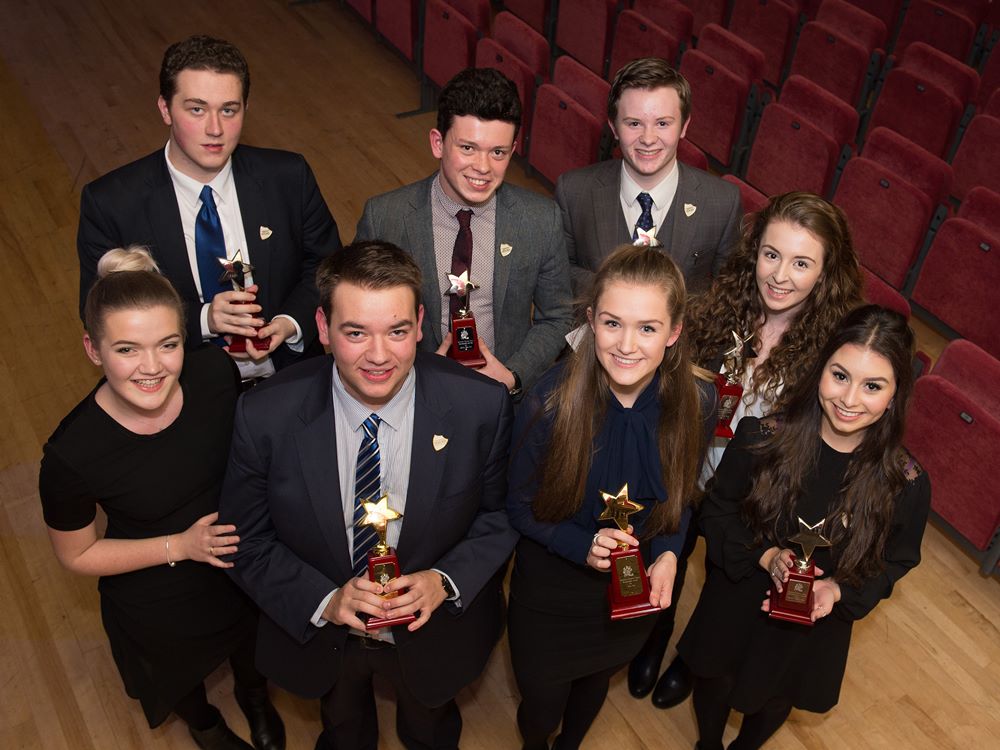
{"type": "Point", "coordinates": [372, 644]}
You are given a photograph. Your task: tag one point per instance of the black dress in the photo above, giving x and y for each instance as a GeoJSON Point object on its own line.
{"type": "Point", "coordinates": [729, 634]}
{"type": "Point", "coordinates": [168, 628]}
{"type": "Point", "coordinates": [559, 620]}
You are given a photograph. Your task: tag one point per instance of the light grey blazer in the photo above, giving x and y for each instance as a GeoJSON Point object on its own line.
{"type": "Point", "coordinates": [532, 307]}
{"type": "Point", "coordinates": [595, 225]}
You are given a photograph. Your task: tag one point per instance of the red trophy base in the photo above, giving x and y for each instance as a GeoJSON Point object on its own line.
{"type": "Point", "coordinates": [729, 398]}
{"type": "Point", "coordinates": [465, 342]}
{"type": "Point", "coordinates": [628, 592]}
{"type": "Point", "coordinates": [382, 569]}
{"type": "Point", "coordinates": [795, 602]}
{"type": "Point", "coordinates": [238, 344]}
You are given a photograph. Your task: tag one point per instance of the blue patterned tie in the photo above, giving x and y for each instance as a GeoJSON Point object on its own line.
{"type": "Point", "coordinates": [645, 222]}
{"type": "Point", "coordinates": [209, 246]}
{"type": "Point", "coordinates": [367, 483]}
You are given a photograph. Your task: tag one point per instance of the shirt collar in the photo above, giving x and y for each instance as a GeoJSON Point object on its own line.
{"type": "Point", "coordinates": [188, 189]}
{"type": "Point", "coordinates": [486, 210]}
{"type": "Point", "coordinates": [661, 193]}
{"type": "Point", "coordinates": [392, 413]}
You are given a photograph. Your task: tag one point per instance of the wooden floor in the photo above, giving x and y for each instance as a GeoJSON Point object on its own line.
{"type": "Point", "coordinates": [77, 98]}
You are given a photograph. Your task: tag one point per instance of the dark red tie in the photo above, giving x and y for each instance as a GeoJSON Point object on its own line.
{"type": "Point", "coordinates": [461, 258]}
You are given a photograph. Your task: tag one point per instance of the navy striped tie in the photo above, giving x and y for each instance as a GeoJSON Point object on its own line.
{"type": "Point", "coordinates": [209, 246]}
{"type": "Point", "coordinates": [367, 483]}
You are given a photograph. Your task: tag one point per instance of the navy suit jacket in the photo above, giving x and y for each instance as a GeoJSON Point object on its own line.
{"type": "Point", "coordinates": [595, 225]}
{"type": "Point", "coordinates": [532, 306]}
{"type": "Point", "coordinates": [282, 491]}
{"type": "Point", "coordinates": [136, 204]}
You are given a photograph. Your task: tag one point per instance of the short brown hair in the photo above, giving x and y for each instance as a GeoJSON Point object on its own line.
{"type": "Point", "coordinates": [649, 73]}
{"type": "Point", "coordinates": [202, 53]}
{"type": "Point", "coordinates": [372, 264]}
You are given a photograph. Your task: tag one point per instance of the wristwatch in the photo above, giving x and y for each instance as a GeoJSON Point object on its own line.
{"type": "Point", "coordinates": [449, 590]}
{"type": "Point", "coordinates": [516, 390]}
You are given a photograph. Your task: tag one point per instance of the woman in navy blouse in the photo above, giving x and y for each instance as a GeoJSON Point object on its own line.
{"type": "Point", "coordinates": [624, 408]}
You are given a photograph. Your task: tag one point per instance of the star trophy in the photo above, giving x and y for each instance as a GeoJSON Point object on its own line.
{"type": "Point", "coordinates": [728, 386]}
{"type": "Point", "coordinates": [464, 339]}
{"type": "Point", "coordinates": [795, 602]}
{"type": "Point", "coordinates": [628, 592]}
{"type": "Point", "coordinates": [240, 274]}
{"type": "Point", "coordinates": [383, 565]}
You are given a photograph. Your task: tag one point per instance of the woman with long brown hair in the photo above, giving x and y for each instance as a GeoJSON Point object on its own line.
{"type": "Point", "coordinates": [830, 463]}
{"type": "Point", "coordinates": [791, 280]}
{"type": "Point", "coordinates": [149, 445]}
{"type": "Point", "coordinates": [624, 408]}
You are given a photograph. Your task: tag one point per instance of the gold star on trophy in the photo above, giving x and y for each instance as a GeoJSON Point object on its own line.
{"type": "Point", "coordinates": [460, 284]}
{"type": "Point", "coordinates": [618, 508]}
{"type": "Point", "coordinates": [809, 538]}
{"type": "Point", "coordinates": [378, 515]}
{"type": "Point", "coordinates": [236, 271]}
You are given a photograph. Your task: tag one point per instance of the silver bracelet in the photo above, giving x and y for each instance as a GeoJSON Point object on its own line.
{"type": "Point", "coordinates": [166, 540]}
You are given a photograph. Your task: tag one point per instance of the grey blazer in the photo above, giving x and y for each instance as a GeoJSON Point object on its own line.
{"type": "Point", "coordinates": [532, 307]}
{"type": "Point", "coordinates": [595, 225]}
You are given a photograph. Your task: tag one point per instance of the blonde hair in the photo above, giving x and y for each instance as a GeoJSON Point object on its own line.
{"type": "Point", "coordinates": [127, 279]}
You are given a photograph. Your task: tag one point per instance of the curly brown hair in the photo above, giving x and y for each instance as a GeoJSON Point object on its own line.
{"type": "Point", "coordinates": [733, 303]}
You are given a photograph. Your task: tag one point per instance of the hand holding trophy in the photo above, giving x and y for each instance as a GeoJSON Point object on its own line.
{"type": "Point", "coordinates": [464, 338]}
{"type": "Point", "coordinates": [240, 274]}
{"type": "Point", "coordinates": [383, 565]}
{"type": "Point", "coordinates": [794, 602]}
{"type": "Point", "coordinates": [628, 592]}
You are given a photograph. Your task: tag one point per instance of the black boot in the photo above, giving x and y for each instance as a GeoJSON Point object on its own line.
{"type": "Point", "coordinates": [645, 667]}
{"type": "Point", "coordinates": [266, 728]}
{"type": "Point", "coordinates": [219, 737]}
{"type": "Point", "coordinates": [674, 686]}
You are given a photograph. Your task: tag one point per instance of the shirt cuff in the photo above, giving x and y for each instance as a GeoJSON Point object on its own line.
{"type": "Point", "coordinates": [205, 332]}
{"type": "Point", "coordinates": [317, 618]}
{"type": "Point", "coordinates": [295, 342]}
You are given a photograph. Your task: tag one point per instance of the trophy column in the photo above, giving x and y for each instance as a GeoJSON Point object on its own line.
{"type": "Point", "coordinates": [628, 592]}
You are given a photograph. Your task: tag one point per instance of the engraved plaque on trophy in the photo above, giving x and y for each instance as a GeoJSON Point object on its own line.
{"type": "Point", "coordinates": [240, 274]}
{"type": "Point", "coordinates": [794, 602]}
{"type": "Point", "coordinates": [728, 386]}
{"type": "Point", "coordinates": [383, 565]}
{"type": "Point", "coordinates": [464, 338]}
{"type": "Point", "coordinates": [628, 592]}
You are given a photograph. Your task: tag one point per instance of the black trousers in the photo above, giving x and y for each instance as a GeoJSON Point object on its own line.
{"type": "Point", "coordinates": [711, 709]}
{"type": "Point", "coordinates": [348, 710]}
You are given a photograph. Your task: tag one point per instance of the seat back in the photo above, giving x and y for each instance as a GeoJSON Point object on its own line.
{"type": "Point", "coordinates": [854, 23]}
{"type": "Point", "coordinates": [768, 25]}
{"type": "Point", "coordinates": [917, 108]}
{"type": "Point", "coordinates": [943, 69]}
{"type": "Point", "coordinates": [741, 57]}
{"type": "Point", "coordinates": [398, 25]}
{"type": "Point", "coordinates": [583, 29]}
{"type": "Point", "coordinates": [672, 16]}
{"type": "Point", "coordinates": [530, 47]}
{"type": "Point", "coordinates": [449, 42]}
{"type": "Point", "coordinates": [832, 60]}
{"type": "Point", "coordinates": [790, 153]}
{"type": "Point", "coordinates": [588, 89]}
{"type": "Point", "coordinates": [878, 292]}
{"type": "Point", "coordinates": [930, 174]}
{"type": "Point", "coordinates": [977, 160]}
{"type": "Point", "coordinates": [636, 36]}
{"type": "Point", "coordinates": [719, 107]}
{"type": "Point", "coordinates": [939, 26]}
{"type": "Point", "coordinates": [829, 113]}
{"type": "Point", "coordinates": [564, 134]}
{"type": "Point", "coordinates": [752, 199]}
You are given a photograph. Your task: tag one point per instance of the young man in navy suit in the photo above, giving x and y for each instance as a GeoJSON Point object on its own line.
{"type": "Point", "coordinates": [202, 198]}
{"type": "Point", "coordinates": [311, 446]}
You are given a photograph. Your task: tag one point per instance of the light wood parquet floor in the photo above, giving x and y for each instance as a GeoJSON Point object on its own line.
{"type": "Point", "coordinates": [77, 98]}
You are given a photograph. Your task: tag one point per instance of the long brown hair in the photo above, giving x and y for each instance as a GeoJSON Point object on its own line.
{"type": "Point", "coordinates": [875, 474]}
{"type": "Point", "coordinates": [733, 303]}
{"type": "Point", "coordinates": [579, 403]}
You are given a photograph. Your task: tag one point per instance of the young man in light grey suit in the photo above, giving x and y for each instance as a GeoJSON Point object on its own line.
{"type": "Point", "coordinates": [518, 253]}
{"type": "Point", "coordinates": [692, 214]}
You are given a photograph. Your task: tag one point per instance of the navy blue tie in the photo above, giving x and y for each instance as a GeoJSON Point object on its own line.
{"type": "Point", "coordinates": [367, 485]}
{"type": "Point", "coordinates": [209, 246]}
{"type": "Point", "coordinates": [645, 222]}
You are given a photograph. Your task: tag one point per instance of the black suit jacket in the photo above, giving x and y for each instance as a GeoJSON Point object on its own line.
{"type": "Point", "coordinates": [136, 204]}
{"type": "Point", "coordinates": [282, 490]}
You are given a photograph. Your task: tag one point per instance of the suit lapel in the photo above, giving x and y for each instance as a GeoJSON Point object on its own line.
{"type": "Point", "coordinates": [612, 230]}
{"type": "Point", "coordinates": [317, 447]}
{"type": "Point", "coordinates": [418, 224]}
{"type": "Point", "coordinates": [427, 465]}
{"type": "Point", "coordinates": [684, 225]}
{"type": "Point", "coordinates": [164, 216]}
{"type": "Point", "coordinates": [508, 231]}
{"type": "Point", "coordinates": [254, 214]}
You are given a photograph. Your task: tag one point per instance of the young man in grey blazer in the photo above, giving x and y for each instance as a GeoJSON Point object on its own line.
{"type": "Point", "coordinates": [518, 254]}
{"type": "Point", "coordinates": [647, 195]}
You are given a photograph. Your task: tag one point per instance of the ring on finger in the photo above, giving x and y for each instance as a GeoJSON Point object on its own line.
{"type": "Point", "coordinates": [212, 550]}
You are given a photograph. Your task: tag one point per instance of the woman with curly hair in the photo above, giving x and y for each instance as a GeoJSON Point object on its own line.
{"type": "Point", "coordinates": [784, 289]}
{"type": "Point", "coordinates": [830, 463]}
